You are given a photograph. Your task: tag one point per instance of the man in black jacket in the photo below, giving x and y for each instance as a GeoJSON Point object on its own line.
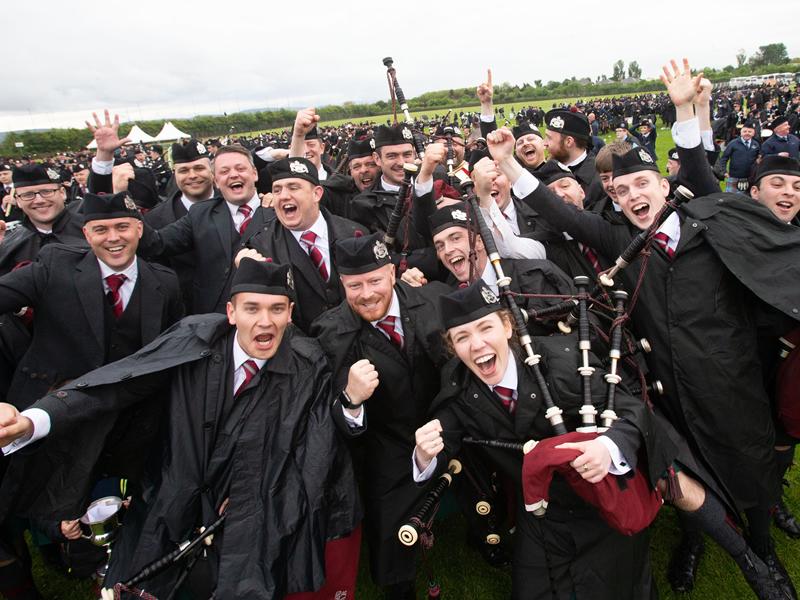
{"type": "Point", "coordinates": [195, 181]}
{"type": "Point", "coordinates": [41, 197]}
{"type": "Point", "coordinates": [384, 347]}
{"type": "Point", "coordinates": [249, 435]}
{"type": "Point", "coordinates": [91, 307]}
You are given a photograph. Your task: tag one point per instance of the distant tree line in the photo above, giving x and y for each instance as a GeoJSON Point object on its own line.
{"type": "Point", "coordinates": [204, 126]}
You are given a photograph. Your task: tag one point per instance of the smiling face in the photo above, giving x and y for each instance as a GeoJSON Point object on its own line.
{"type": "Point", "coordinates": [370, 294]}
{"type": "Point", "coordinates": [529, 149]}
{"type": "Point", "coordinates": [364, 172]}
{"type": "Point", "coordinates": [195, 179]}
{"type": "Point", "coordinates": [780, 193]}
{"type": "Point", "coordinates": [452, 249]}
{"type": "Point", "coordinates": [314, 149]}
{"type": "Point", "coordinates": [390, 159]}
{"type": "Point", "coordinates": [482, 345]}
{"type": "Point", "coordinates": [235, 177]}
{"type": "Point", "coordinates": [556, 144]}
{"type": "Point", "coordinates": [41, 211]}
{"type": "Point", "coordinates": [607, 180]}
{"type": "Point", "coordinates": [114, 241]}
{"type": "Point", "coordinates": [641, 196]}
{"type": "Point", "coordinates": [260, 320]}
{"type": "Point", "coordinates": [296, 202]}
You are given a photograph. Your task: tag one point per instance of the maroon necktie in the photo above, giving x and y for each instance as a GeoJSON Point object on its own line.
{"type": "Point", "coordinates": [662, 239]}
{"type": "Point", "coordinates": [386, 325]}
{"type": "Point", "coordinates": [247, 212]}
{"type": "Point", "coordinates": [115, 282]}
{"type": "Point", "coordinates": [250, 369]}
{"type": "Point", "coordinates": [591, 257]}
{"type": "Point", "coordinates": [506, 396]}
{"type": "Point", "coordinates": [309, 238]}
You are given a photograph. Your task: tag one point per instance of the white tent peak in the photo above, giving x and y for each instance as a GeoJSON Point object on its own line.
{"type": "Point", "coordinates": [169, 132]}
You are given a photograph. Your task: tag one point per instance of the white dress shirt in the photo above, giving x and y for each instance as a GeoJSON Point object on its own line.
{"type": "Point", "coordinates": [510, 244]}
{"type": "Point", "coordinates": [126, 289]}
{"type": "Point", "coordinates": [320, 227]}
{"type": "Point", "coordinates": [238, 218]}
{"type": "Point", "coordinates": [239, 358]}
{"type": "Point", "coordinates": [394, 311]}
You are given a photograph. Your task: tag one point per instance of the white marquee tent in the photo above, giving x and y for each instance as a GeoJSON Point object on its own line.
{"type": "Point", "coordinates": [169, 132]}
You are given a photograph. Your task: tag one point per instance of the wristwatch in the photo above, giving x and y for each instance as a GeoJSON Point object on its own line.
{"type": "Point", "coordinates": [346, 401]}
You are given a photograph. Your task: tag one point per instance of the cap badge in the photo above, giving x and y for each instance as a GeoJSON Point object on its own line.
{"type": "Point", "coordinates": [298, 167]}
{"type": "Point", "coordinates": [200, 148]}
{"type": "Point", "coordinates": [53, 174]}
{"type": "Point", "coordinates": [130, 204]}
{"type": "Point", "coordinates": [557, 123]}
{"type": "Point", "coordinates": [372, 143]}
{"type": "Point", "coordinates": [289, 279]}
{"type": "Point", "coordinates": [407, 134]}
{"type": "Point", "coordinates": [458, 215]}
{"type": "Point", "coordinates": [380, 250]}
{"type": "Point", "coordinates": [488, 295]}
{"type": "Point", "coordinates": [645, 156]}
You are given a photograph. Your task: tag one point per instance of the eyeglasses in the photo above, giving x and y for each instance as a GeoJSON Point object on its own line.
{"type": "Point", "coordinates": [29, 196]}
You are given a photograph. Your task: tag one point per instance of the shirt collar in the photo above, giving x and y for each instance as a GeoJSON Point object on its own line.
{"type": "Point", "coordinates": [240, 356]}
{"type": "Point", "coordinates": [132, 272]}
{"type": "Point", "coordinates": [576, 161]}
{"type": "Point", "coordinates": [510, 211]}
{"type": "Point", "coordinates": [489, 276]}
{"type": "Point", "coordinates": [389, 187]}
{"type": "Point", "coordinates": [320, 227]}
{"type": "Point", "coordinates": [510, 379]}
{"type": "Point", "coordinates": [253, 203]}
{"type": "Point", "coordinates": [394, 310]}
{"type": "Point", "coordinates": [672, 227]}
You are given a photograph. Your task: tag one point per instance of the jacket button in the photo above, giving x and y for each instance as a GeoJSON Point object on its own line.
{"type": "Point", "coordinates": [533, 395]}
{"type": "Point", "coordinates": [475, 395]}
{"type": "Point", "coordinates": [34, 375]}
{"type": "Point", "coordinates": [694, 224]}
{"type": "Point", "coordinates": [61, 394]}
{"type": "Point", "coordinates": [205, 353]}
{"type": "Point", "coordinates": [81, 384]}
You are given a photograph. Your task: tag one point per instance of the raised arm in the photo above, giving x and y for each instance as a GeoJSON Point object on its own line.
{"type": "Point", "coordinates": [587, 227]}
{"type": "Point", "coordinates": [485, 93]}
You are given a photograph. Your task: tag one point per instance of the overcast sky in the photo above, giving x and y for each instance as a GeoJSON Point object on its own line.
{"type": "Point", "coordinates": [152, 59]}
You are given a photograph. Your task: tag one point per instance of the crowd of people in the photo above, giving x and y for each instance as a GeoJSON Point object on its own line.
{"type": "Point", "coordinates": [272, 349]}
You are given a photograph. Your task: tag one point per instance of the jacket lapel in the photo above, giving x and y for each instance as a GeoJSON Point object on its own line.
{"type": "Point", "coordinates": [89, 285]}
{"type": "Point", "coordinates": [152, 302]}
{"type": "Point", "coordinates": [224, 226]}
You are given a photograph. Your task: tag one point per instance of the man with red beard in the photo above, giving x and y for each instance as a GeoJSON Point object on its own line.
{"type": "Point", "coordinates": [568, 140]}
{"type": "Point", "coordinates": [385, 349]}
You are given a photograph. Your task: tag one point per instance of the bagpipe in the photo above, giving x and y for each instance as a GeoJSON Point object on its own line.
{"type": "Point", "coordinates": [398, 97]}
{"type": "Point", "coordinates": [186, 555]}
{"type": "Point", "coordinates": [627, 503]}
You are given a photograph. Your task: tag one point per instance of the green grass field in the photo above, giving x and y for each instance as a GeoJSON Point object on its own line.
{"type": "Point", "coordinates": [463, 575]}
